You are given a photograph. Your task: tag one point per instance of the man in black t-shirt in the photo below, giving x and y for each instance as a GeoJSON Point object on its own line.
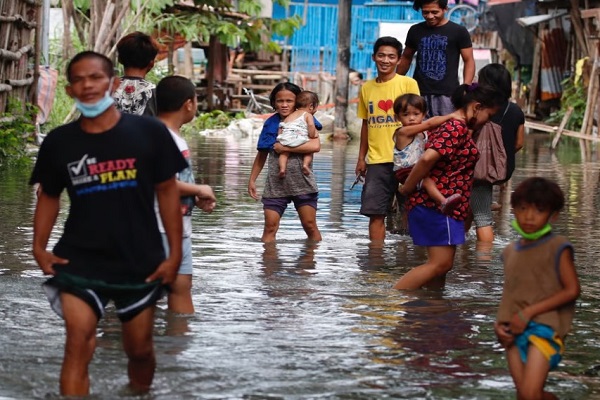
{"type": "Point", "coordinates": [112, 165]}
{"type": "Point", "coordinates": [438, 44]}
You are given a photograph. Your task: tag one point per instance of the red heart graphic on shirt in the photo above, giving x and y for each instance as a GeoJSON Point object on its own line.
{"type": "Point", "coordinates": [385, 105]}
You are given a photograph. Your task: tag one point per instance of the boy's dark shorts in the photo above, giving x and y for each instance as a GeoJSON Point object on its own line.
{"type": "Point", "coordinates": [129, 299]}
{"type": "Point", "coordinates": [379, 189]}
{"type": "Point", "coordinates": [279, 204]}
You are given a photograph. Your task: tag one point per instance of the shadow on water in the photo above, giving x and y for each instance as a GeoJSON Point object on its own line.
{"type": "Point", "coordinates": [297, 319]}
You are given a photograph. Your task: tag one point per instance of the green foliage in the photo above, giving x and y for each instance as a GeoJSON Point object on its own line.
{"type": "Point", "coordinates": [215, 119]}
{"type": "Point", "coordinates": [286, 27]}
{"type": "Point", "coordinates": [152, 7]}
{"type": "Point", "coordinates": [218, 18]}
{"type": "Point", "coordinates": [573, 96]}
{"type": "Point", "coordinates": [250, 7]}
{"type": "Point", "coordinates": [82, 5]}
{"type": "Point", "coordinates": [16, 129]}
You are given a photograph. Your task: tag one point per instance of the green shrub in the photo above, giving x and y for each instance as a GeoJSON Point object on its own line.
{"type": "Point", "coordinates": [17, 128]}
{"type": "Point", "coordinates": [215, 119]}
{"type": "Point", "coordinates": [572, 96]}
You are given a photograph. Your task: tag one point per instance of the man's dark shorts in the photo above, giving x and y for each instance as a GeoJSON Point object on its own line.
{"type": "Point", "coordinates": [438, 105]}
{"type": "Point", "coordinates": [379, 189]}
{"type": "Point", "coordinates": [279, 204]}
{"type": "Point", "coordinates": [129, 299]}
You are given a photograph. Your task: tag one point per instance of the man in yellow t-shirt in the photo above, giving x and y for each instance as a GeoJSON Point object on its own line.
{"type": "Point", "coordinates": [375, 107]}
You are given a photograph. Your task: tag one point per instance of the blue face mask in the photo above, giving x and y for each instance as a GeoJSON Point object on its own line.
{"type": "Point", "coordinates": [92, 110]}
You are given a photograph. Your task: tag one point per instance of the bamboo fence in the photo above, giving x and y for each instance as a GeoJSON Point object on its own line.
{"type": "Point", "coordinates": [18, 23]}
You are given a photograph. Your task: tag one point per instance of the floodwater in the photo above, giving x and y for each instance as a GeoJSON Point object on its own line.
{"type": "Point", "coordinates": [298, 320]}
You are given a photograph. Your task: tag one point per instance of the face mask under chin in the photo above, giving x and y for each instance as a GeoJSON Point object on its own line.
{"type": "Point", "coordinates": [92, 110]}
{"type": "Point", "coordinates": [533, 235]}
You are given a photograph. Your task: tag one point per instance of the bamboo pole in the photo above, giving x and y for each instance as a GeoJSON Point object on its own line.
{"type": "Point", "coordinates": [592, 95]}
{"type": "Point", "coordinates": [104, 24]}
{"type": "Point", "coordinates": [577, 26]}
{"type": "Point", "coordinates": [566, 132]}
{"type": "Point", "coordinates": [128, 27]}
{"type": "Point", "coordinates": [33, 93]}
{"type": "Point", "coordinates": [19, 82]}
{"type": "Point", "coordinates": [15, 55]}
{"type": "Point", "coordinates": [115, 26]}
{"type": "Point", "coordinates": [592, 98]}
{"type": "Point", "coordinates": [67, 11]}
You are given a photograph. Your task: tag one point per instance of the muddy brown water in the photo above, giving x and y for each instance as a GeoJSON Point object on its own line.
{"type": "Point", "coordinates": [297, 320]}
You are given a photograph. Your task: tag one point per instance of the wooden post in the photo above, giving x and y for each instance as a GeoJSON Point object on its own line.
{"type": "Point", "coordinates": [340, 130]}
{"type": "Point", "coordinates": [578, 27]}
{"type": "Point", "coordinates": [210, 72]}
{"type": "Point", "coordinates": [105, 24]}
{"type": "Point", "coordinates": [535, 69]}
{"type": "Point", "coordinates": [188, 61]}
{"type": "Point", "coordinates": [37, 56]}
{"type": "Point", "coordinates": [67, 11]}
{"type": "Point", "coordinates": [592, 95]}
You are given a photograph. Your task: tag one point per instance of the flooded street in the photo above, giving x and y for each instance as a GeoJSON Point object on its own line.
{"type": "Point", "coordinates": [298, 320]}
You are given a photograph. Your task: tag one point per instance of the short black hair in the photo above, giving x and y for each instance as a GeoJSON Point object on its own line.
{"type": "Point", "coordinates": [541, 192]}
{"type": "Point", "coordinates": [307, 98]}
{"type": "Point", "coordinates": [137, 50]}
{"type": "Point", "coordinates": [387, 41]}
{"type": "Point", "coordinates": [106, 62]}
{"type": "Point", "coordinates": [410, 99]}
{"type": "Point", "coordinates": [172, 92]}
{"type": "Point", "coordinates": [496, 76]}
{"type": "Point", "coordinates": [418, 4]}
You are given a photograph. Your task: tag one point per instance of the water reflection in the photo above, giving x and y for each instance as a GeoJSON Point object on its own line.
{"type": "Point", "coordinates": [295, 319]}
{"type": "Point", "coordinates": [432, 349]}
{"type": "Point", "coordinates": [302, 263]}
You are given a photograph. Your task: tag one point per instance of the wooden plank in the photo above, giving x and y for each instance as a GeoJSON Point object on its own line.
{"type": "Point", "coordinates": [551, 129]}
{"type": "Point", "coordinates": [257, 86]}
{"type": "Point", "coordinates": [252, 72]}
{"type": "Point", "coordinates": [590, 13]}
{"type": "Point", "coordinates": [265, 77]}
{"type": "Point", "coordinates": [561, 127]}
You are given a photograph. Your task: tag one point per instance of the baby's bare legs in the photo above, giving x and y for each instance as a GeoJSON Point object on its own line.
{"type": "Point", "coordinates": [283, 159]}
{"type": "Point", "coordinates": [448, 204]}
{"type": "Point", "coordinates": [306, 161]}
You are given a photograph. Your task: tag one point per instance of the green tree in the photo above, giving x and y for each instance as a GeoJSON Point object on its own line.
{"type": "Point", "coordinates": [100, 23]}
